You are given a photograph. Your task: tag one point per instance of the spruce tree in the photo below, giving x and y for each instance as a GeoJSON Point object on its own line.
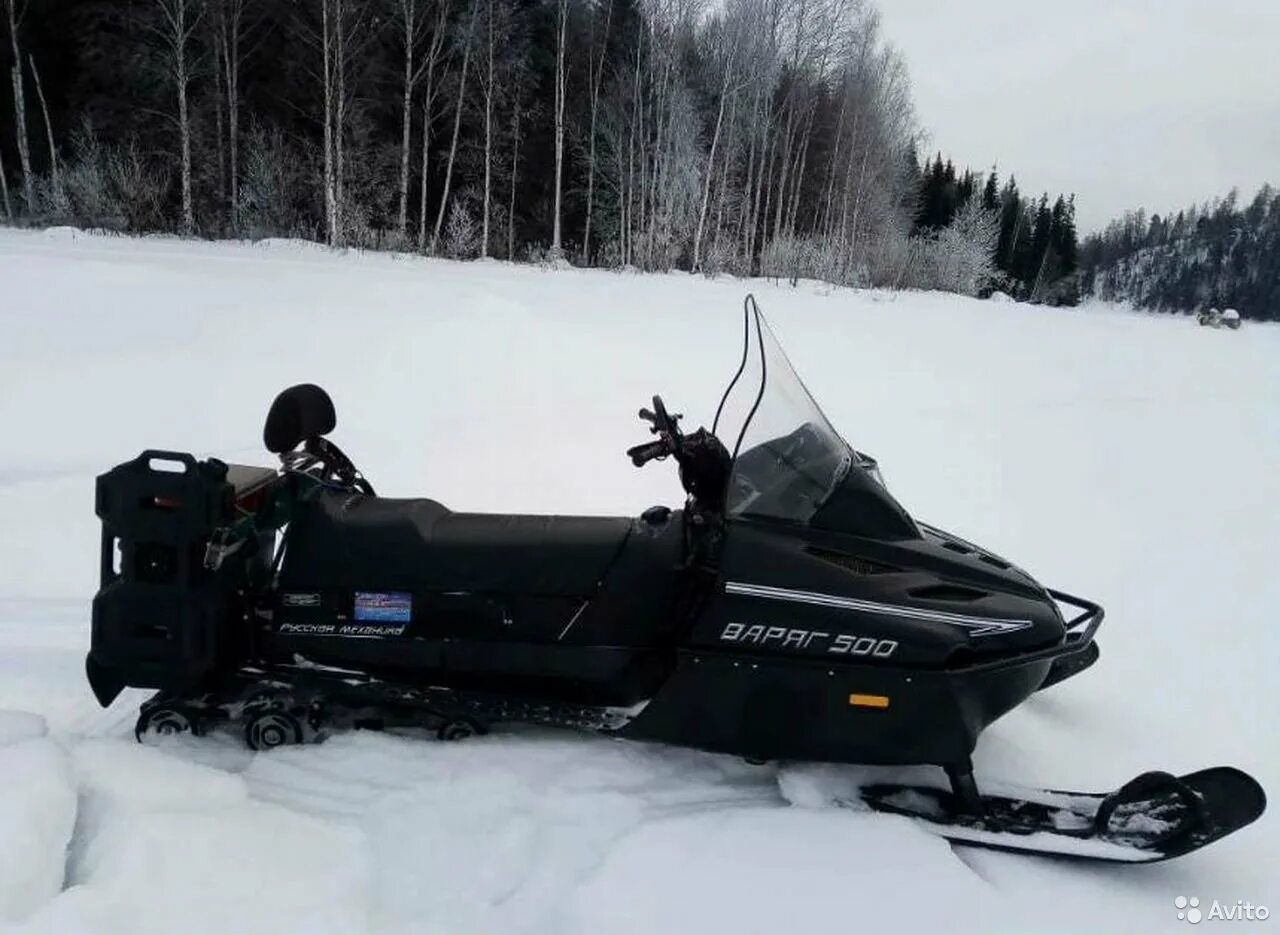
{"type": "Point", "coordinates": [1010, 220]}
{"type": "Point", "coordinates": [991, 193]}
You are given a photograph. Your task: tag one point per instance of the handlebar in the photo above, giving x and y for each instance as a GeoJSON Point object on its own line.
{"type": "Point", "coordinates": [641, 455]}
{"type": "Point", "coordinates": [704, 462]}
{"type": "Point", "coordinates": [663, 424]}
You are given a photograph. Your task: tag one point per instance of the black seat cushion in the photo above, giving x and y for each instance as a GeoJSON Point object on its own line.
{"type": "Point", "coordinates": [346, 540]}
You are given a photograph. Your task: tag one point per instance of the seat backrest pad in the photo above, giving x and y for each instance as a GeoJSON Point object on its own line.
{"type": "Point", "coordinates": [300, 412]}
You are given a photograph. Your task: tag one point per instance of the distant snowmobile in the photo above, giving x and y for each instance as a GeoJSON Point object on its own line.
{"type": "Point", "coordinates": [792, 609]}
{"type": "Point", "coordinates": [1227, 318]}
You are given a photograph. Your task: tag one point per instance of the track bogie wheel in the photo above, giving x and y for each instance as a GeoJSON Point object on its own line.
{"type": "Point", "coordinates": [458, 729]}
{"type": "Point", "coordinates": [167, 720]}
{"type": "Point", "coordinates": [267, 730]}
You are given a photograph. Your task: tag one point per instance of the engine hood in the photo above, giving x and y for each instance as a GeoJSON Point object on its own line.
{"type": "Point", "coordinates": [940, 600]}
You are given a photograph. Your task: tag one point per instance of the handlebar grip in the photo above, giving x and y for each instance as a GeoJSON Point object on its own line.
{"type": "Point", "coordinates": [641, 455]}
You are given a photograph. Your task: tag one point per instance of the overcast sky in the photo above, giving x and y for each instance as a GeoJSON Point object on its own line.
{"type": "Point", "coordinates": [1127, 103]}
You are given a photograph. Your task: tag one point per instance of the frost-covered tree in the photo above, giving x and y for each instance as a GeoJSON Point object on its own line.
{"type": "Point", "coordinates": [963, 253]}
{"type": "Point", "coordinates": [275, 193]}
{"type": "Point", "coordinates": [462, 233]}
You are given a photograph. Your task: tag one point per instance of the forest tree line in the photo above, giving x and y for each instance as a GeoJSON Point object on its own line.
{"type": "Point", "coordinates": [1225, 254]}
{"type": "Point", "coordinates": [1034, 248]}
{"type": "Point", "coordinates": [756, 137]}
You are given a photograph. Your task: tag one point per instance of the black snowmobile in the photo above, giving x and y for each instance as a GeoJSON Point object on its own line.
{"type": "Point", "coordinates": [791, 610]}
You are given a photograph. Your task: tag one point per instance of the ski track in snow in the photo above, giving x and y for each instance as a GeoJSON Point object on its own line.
{"type": "Point", "coordinates": [1125, 457]}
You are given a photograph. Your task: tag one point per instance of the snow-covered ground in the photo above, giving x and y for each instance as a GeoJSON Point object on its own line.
{"type": "Point", "coordinates": [1129, 458]}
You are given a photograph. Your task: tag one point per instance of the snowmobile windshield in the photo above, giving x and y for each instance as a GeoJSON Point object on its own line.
{"type": "Point", "coordinates": [787, 459]}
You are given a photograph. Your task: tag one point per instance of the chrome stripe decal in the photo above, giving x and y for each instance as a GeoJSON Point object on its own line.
{"type": "Point", "coordinates": [977, 626]}
{"type": "Point", "coordinates": [572, 621]}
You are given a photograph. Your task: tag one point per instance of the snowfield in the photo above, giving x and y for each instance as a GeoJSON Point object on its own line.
{"type": "Point", "coordinates": [1128, 458]}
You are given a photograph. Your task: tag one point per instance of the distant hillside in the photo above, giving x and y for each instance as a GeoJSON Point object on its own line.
{"type": "Point", "coordinates": [1219, 254]}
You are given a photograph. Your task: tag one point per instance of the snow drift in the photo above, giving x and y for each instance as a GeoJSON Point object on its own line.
{"type": "Point", "coordinates": [37, 813]}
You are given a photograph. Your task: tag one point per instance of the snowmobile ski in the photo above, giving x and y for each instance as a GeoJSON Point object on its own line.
{"type": "Point", "coordinates": [1154, 817]}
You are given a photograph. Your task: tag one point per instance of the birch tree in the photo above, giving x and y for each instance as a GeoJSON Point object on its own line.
{"type": "Point", "coordinates": [728, 56]}
{"type": "Point", "coordinates": [466, 40]}
{"type": "Point", "coordinates": [434, 59]}
{"type": "Point", "coordinates": [330, 187]}
{"type": "Point", "coordinates": [490, 37]}
{"type": "Point", "coordinates": [54, 175]}
{"type": "Point", "coordinates": [339, 75]}
{"type": "Point", "coordinates": [177, 25]}
{"type": "Point", "coordinates": [515, 175]}
{"type": "Point", "coordinates": [341, 41]}
{"type": "Point", "coordinates": [219, 101]}
{"type": "Point", "coordinates": [410, 22]}
{"type": "Point", "coordinates": [20, 107]}
{"type": "Point", "coordinates": [512, 109]}
{"type": "Point", "coordinates": [596, 63]}
{"type": "Point", "coordinates": [562, 17]}
{"type": "Point", "coordinates": [4, 192]}
{"type": "Point", "coordinates": [232, 32]}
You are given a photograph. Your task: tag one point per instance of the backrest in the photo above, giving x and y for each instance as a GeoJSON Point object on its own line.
{"type": "Point", "coordinates": [300, 412]}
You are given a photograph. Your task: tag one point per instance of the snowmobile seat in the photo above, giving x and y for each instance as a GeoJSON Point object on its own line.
{"type": "Point", "coordinates": [248, 479]}
{"type": "Point", "coordinates": [345, 540]}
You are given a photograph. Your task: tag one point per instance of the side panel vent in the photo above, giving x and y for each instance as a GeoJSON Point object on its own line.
{"type": "Point", "coordinates": [952, 593]}
{"type": "Point", "coordinates": [853, 563]}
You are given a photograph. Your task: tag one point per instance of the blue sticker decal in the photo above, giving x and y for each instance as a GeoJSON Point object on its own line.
{"type": "Point", "coordinates": [384, 606]}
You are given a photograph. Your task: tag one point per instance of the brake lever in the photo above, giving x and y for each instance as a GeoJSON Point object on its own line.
{"type": "Point", "coordinates": [652, 418]}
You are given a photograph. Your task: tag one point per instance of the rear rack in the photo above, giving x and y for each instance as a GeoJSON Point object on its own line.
{"type": "Point", "coordinates": [165, 614]}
